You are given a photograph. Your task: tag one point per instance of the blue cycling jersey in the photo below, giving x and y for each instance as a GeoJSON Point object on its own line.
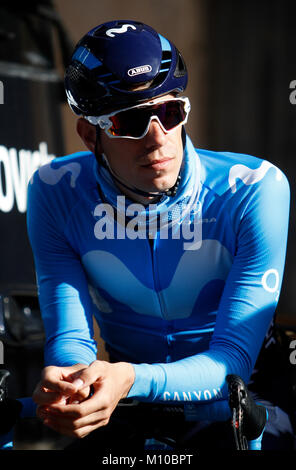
{"type": "Point", "coordinates": [184, 289]}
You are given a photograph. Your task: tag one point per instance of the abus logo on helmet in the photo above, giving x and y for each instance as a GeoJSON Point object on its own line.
{"type": "Point", "coordinates": [139, 70]}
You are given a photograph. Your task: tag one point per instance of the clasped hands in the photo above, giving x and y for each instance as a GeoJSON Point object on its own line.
{"type": "Point", "coordinates": [63, 398]}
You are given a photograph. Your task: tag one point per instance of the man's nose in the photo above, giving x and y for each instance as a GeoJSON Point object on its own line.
{"type": "Point", "coordinates": [155, 136]}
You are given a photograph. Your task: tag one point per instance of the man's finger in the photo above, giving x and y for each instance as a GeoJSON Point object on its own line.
{"type": "Point", "coordinates": [41, 397]}
{"type": "Point", "coordinates": [75, 427]}
{"type": "Point", "coordinates": [89, 375]}
{"type": "Point", "coordinates": [70, 431]}
{"type": "Point", "coordinates": [80, 396]}
{"type": "Point", "coordinates": [60, 386]}
{"type": "Point", "coordinates": [59, 379]}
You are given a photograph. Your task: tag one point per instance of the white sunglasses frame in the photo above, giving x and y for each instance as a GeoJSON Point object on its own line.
{"type": "Point", "coordinates": [105, 123]}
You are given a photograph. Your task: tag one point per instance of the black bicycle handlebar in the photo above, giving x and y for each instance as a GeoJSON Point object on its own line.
{"type": "Point", "coordinates": [9, 409]}
{"type": "Point", "coordinates": [248, 418]}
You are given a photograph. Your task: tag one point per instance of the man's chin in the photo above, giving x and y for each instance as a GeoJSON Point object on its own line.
{"type": "Point", "coordinates": [161, 184]}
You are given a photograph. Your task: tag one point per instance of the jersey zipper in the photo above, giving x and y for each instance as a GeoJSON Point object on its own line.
{"type": "Point", "coordinates": [152, 249]}
{"type": "Point", "coordinates": [166, 331]}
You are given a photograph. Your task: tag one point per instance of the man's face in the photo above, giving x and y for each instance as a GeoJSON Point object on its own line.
{"type": "Point", "coordinates": [152, 163]}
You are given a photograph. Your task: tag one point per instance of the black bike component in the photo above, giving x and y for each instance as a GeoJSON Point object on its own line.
{"type": "Point", "coordinates": [248, 418]}
{"type": "Point", "coordinates": [9, 409]}
{"type": "Point", "coordinates": [159, 419]}
{"type": "Point", "coordinates": [4, 374]}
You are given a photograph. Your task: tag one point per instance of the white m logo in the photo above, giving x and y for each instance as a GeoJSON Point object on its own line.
{"type": "Point", "coordinates": [123, 29]}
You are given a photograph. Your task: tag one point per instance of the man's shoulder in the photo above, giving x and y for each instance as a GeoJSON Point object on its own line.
{"type": "Point", "coordinates": [225, 172]}
{"type": "Point", "coordinates": [68, 171]}
{"type": "Point", "coordinates": [226, 157]}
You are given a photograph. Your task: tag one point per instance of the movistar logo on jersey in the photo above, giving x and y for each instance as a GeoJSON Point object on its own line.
{"type": "Point", "coordinates": [139, 70]}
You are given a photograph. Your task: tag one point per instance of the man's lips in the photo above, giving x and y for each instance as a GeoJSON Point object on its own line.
{"type": "Point", "coordinates": [158, 164]}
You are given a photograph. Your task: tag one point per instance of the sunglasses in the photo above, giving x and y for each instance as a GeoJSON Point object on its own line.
{"type": "Point", "coordinates": [134, 122]}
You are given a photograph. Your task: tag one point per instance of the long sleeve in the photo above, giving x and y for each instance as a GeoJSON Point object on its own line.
{"type": "Point", "coordinates": [246, 308]}
{"type": "Point", "coordinates": [64, 298]}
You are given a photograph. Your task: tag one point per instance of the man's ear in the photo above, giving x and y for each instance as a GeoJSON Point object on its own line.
{"type": "Point", "coordinates": [87, 133]}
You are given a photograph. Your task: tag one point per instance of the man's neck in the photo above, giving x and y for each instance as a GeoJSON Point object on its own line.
{"type": "Point", "coordinates": [137, 197]}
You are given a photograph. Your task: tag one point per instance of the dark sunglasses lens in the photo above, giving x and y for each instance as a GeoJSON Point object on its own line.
{"type": "Point", "coordinates": [171, 114]}
{"type": "Point", "coordinates": [134, 122]}
{"type": "Point", "coordinates": [131, 123]}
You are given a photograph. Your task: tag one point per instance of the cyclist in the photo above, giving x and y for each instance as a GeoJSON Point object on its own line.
{"type": "Point", "coordinates": [178, 253]}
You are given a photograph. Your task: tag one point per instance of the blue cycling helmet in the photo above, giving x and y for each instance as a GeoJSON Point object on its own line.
{"type": "Point", "coordinates": [121, 63]}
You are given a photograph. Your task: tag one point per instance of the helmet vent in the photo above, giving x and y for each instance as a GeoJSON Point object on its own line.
{"type": "Point", "coordinates": [105, 77]}
{"type": "Point", "coordinates": [75, 73]}
{"type": "Point", "coordinates": [166, 55]}
{"type": "Point", "coordinates": [180, 69]}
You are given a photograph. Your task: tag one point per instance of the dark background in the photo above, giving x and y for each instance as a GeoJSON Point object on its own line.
{"type": "Point", "coordinates": [251, 65]}
{"type": "Point", "coordinates": [241, 61]}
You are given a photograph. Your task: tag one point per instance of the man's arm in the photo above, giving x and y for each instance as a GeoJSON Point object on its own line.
{"type": "Point", "coordinates": [66, 309]}
{"type": "Point", "coordinates": [246, 309]}
{"type": "Point", "coordinates": [64, 298]}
